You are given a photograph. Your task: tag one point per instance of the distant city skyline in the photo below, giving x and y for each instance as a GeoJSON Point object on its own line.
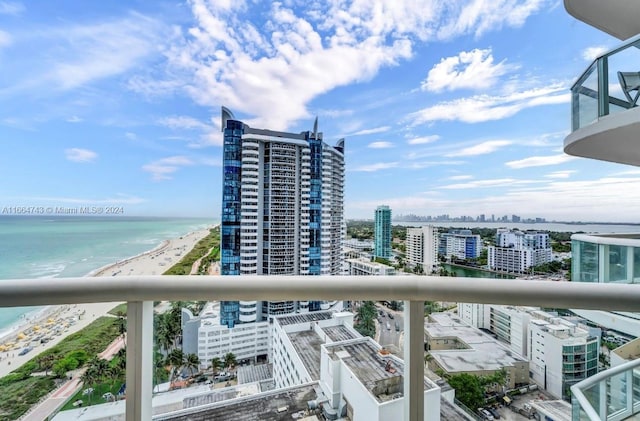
{"type": "Point", "coordinates": [447, 107]}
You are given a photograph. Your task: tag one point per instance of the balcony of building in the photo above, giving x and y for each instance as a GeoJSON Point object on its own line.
{"type": "Point", "coordinates": [605, 117]}
{"type": "Point", "coordinates": [610, 395]}
{"type": "Point", "coordinates": [141, 291]}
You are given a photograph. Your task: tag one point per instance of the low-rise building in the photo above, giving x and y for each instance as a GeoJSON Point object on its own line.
{"type": "Point", "coordinates": [516, 251]}
{"type": "Point", "coordinates": [562, 353]}
{"type": "Point", "coordinates": [456, 347]}
{"type": "Point", "coordinates": [460, 244]}
{"type": "Point", "coordinates": [364, 267]}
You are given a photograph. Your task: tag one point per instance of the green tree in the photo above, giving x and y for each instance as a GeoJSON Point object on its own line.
{"type": "Point", "coordinates": [192, 363]}
{"type": "Point", "coordinates": [365, 323]}
{"type": "Point", "coordinates": [175, 360]}
{"type": "Point", "coordinates": [216, 364]}
{"type": "Point", "coordinates": [229, 359]}
{"type": "Point", "coordinates": [468, 389]}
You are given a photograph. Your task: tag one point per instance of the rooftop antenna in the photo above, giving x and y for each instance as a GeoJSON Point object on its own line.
{"type": "Point", "coordinates": [315, 128]}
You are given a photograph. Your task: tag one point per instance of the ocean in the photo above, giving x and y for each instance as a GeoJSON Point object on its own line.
{"type": "Point", "coordinates": [68, 246]}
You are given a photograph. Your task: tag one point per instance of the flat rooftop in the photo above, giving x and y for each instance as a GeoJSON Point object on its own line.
{"type": "Point", "coordinates": [291, 319]}
{"type": "Point", "coordinates": [339, 333]}
{"type": "Point", "coordinates": [277, 405]}
{"type": "Point", "coordinates": [307, 344]}
{"type": "Point", "coordinates": [380, 374]}
{"type": "Point", "coordinates": [254, 373]}
{"type": "Point", "coordinates": [557, 409]}
{"type": "Point", "coordinates": [484, 353]}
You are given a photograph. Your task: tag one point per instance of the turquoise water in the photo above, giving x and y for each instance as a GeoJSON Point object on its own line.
{"type": "Point", "coordinates": [50, 247]}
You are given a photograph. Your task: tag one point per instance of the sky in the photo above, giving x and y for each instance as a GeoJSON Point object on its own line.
{"type": "Point", "coordinates": [447, 106]}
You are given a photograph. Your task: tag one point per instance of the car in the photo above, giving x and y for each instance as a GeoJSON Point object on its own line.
{"type": "Point", "coordinates": [494, 412]}
{"type": "Point", "coordinates": [390, 315]}
{"type": "Point", "coordinates": [486, 415]}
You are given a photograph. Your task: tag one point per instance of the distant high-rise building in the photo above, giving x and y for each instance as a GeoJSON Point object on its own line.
{"type": "Point", "coordinates": [422, 247]}
{"type": "Point", "coordinates": [460, 244]}
{"type": "Point", "coordinates": [382, 232]}
{"type": "Point", "coordinates": [517, 251]}
{"type": "Point", "coordinates": [282, 210]}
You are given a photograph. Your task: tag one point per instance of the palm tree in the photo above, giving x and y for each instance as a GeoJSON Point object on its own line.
{"type": "Point", "coordinates": [159, 368]}
{"type": "Point", "coordinates": [46, 362]}
{"type": "Point", "coordinates": [100, 367]}
{"type": "Point", "coordinates": [88, 379]}
{"type": "Point", "coordinates": [121, 322]}
{"type": "Point", "coordinates": [192, 363]}
{"type": "Point", "coordinates": [175, 359]}
{"type": "Point", "coordinates": [122, 358]}
{"type": "Point", "coordinates": [229, 359]}
{"type": "Point", "coordinates": [216, 363]}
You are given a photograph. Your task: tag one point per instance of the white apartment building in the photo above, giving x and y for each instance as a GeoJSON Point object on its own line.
{"type": "Point", "coordinates": [206, 337]}
{"type": "Point", "coordinates": [510, 324]}
{"type": "Point", "coordinates": [363, 267]}
{"type": "Point", "coordinates": [516, 251]}
{"type": "Point", "coordinates": [422, 247]}
{"type": "Point", "coordinates": [562, 353]}
{"type": "Point", "coordinates": [282, 211]}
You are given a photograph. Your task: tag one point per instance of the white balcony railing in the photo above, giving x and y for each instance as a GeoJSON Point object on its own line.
{"type": "Point", "coordinates": [141, 291]}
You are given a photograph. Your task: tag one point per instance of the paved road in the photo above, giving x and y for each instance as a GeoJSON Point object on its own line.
{"type": "Point", "coordinates": [386, 334]}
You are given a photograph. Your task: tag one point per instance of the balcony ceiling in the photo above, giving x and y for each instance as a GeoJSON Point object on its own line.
{"type": "Point", "coordinates": [620, 18]}
{"type": "Point", "coordinates": [613, 138]}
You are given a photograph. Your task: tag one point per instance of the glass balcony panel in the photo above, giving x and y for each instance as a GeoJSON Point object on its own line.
{"type": "Point", "coordinates": [586, 92]}
{"type": "Point", "coordinates": [585, 99]}
{"type": "Point", "coordinates": [592, 393]}
{"type": "Point", "coordinates": [617, 395]}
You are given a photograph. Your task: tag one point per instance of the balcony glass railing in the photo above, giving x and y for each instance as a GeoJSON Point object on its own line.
{"type": "Point", "coordinates": [609, 395]}
{"type": "Point", "coordinates": [600, 90]}
{"type": "Point", "coordinates": [141, 291]}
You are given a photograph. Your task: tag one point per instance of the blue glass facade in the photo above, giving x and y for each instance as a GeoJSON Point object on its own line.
{"type": "Point", "coordinates": [230, 226]}
{"type": "Point", "coordinates": [315, 206]}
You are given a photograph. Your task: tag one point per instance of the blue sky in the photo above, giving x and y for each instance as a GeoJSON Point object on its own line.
{"type": "Point", "coordinates": [447, 106]}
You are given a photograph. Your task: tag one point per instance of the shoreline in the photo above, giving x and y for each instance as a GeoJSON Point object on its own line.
{"type": "Point", "coordinates": [56, 322]}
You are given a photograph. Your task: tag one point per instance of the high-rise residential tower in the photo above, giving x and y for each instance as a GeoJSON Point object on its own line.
{"type": "Point", "coordinates": [382, 232]}
{"type": "Point", "coordinates": [282, 211]}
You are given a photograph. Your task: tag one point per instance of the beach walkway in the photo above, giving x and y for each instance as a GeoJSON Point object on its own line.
{"type": "Point", "coordinates": [60, 396]}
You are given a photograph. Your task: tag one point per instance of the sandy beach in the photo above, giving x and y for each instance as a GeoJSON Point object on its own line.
{"type": "Point", "coordinates": [56, 322]}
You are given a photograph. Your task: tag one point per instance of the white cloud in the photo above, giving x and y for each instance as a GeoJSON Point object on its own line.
{"type": "Point", "coordinates": [473, 69]}
{"type": "Point", "coordinates": [423, 139]}
{"type": "Point", "coordinates": [5, 39]}
{"type": "Point", "coordinates": [498, 182]}
{"type": "Point", "coordinates": [480, 108]}
{"type": "Point", "coordinates": [376, 167]}
{"type": "Point", "coordinates": [381, 129]}
{"type": "Point", "coordinates": [131, 136]}
{"type": "Point", "coordinates": [380, 145]}
{"type": "Point", "coordinates": [461, 177]}
{"type": "Point", "coordinates": [183, 122]}
{"type": "Point", "coordinates": [119, 199]}
{"type": "Point", "coordinates": [80, 155]}
{"type": "Point", "coordinates": [209, 134]}
{"type": "Point", "coordinates": [594, 52]}
{"type": "Point", "coordinates": [163, 169]}
{"type": "Point", "coordinates": [560, 174]}
{"type": "Point", "coordinates": [480, 16]}
{"type": "Point", "coordinates": [74, 119]}
{"type": "Point", "coordinates": [11, 8]}
{"type": "Point", "coordinates": [539, 161]}
{"type": "Point", "coordinates": [275, 70]}
{"type": "Point", "coordinates": [481, 148]}
{"type": "Point", "coordinates": [589, 200]}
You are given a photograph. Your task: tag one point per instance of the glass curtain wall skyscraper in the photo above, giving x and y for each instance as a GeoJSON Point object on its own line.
{"type": "Point", "coordinates": [282, 211]}
{"type": "Point", "coordinates": [382, 232]}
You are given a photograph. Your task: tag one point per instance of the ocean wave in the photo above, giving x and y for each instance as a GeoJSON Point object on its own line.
{"type": "Point", "coordinates": [47, 270]}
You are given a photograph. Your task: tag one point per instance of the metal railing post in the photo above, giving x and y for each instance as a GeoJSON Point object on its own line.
{"type": "Point", "coordinates": [139, 360]}
{"type": "Point", "coordinates": [413, 361]}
